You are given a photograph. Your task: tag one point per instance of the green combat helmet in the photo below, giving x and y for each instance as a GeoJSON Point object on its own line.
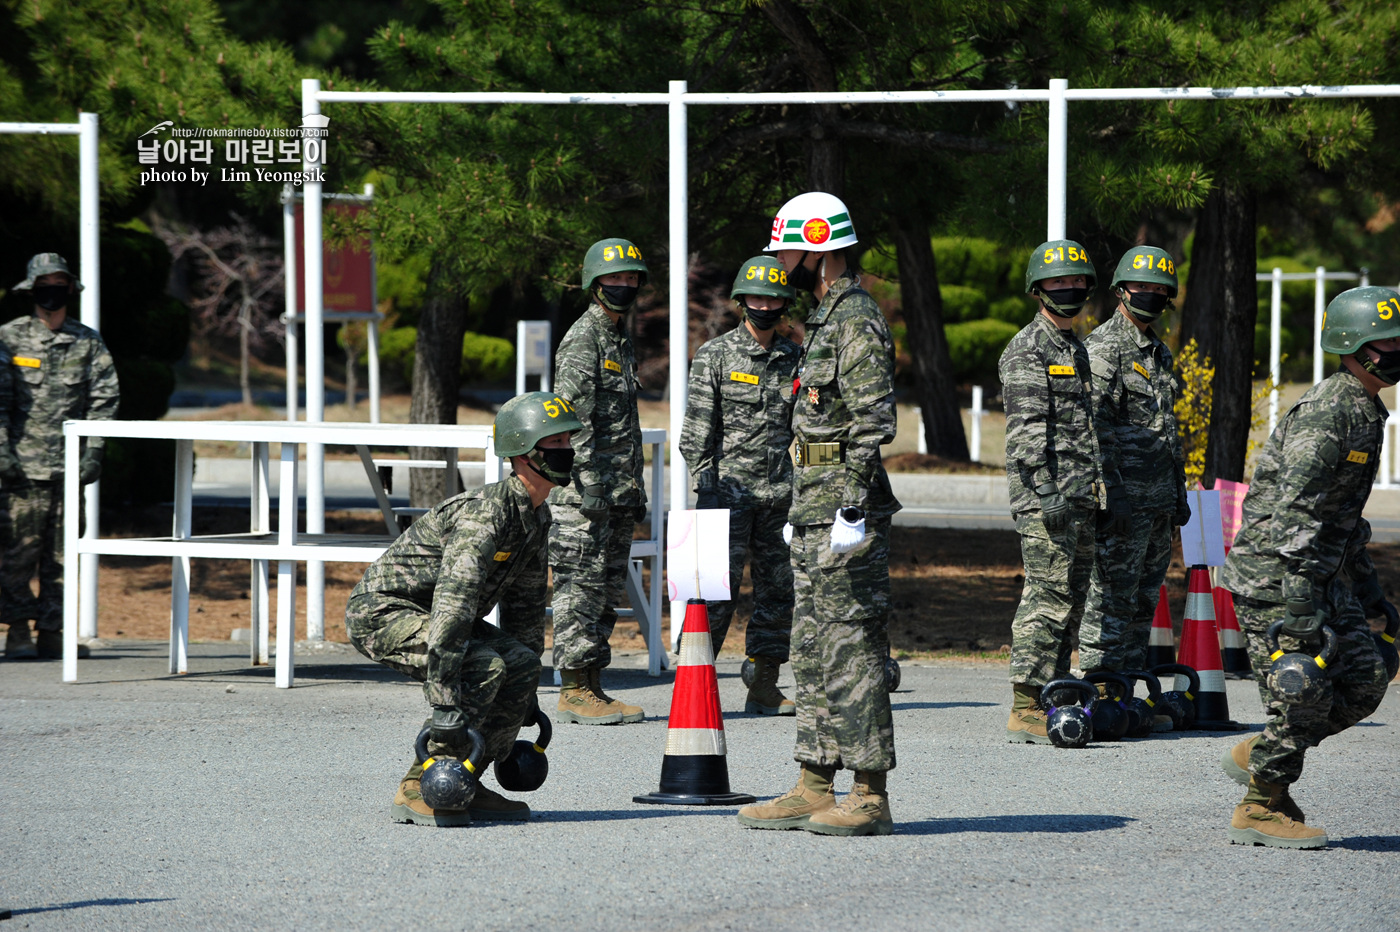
{"type": "Point", "coordinates": [1057, 259]}
{"type": "Point", "coordinates": [1359, 316]}
{"type": "Point", "coordinates": [605, 257]}
{"type": "Point", "coordinates": [1151, 265]}
{"type": "Point", "coordinates": [763, 275]}
{"type": "Point", "coordinates": [527, 419]}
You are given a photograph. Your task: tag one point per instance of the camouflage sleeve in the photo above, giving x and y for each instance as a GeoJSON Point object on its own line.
{"type": "Point", "coordinates": [1027, 401]}
{"type": "Point", "coordinates": [1108, 399]}
{"type": "Point", "coordinates": [7, 395]}
{"type": "Point", "coordinates": [700, 435]}
{"type": "Point", "coordinates": [467, 557]}
{"type": "Point", "coordinates": [1357, 562]}
{"type": "Point", "coordinates": [522, 604]}
{"type": "Point", "coordinates": [104, 391]}
{"type": "Point", "coordinates": [865, 374]}
{"type": "Point", "coordinates": [576, 380]}
{"type": "Point", "coordinates": [1312, 455]}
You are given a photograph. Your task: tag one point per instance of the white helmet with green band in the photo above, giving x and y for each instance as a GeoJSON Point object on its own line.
{"type": "Point", "coordinates": [813, 222]}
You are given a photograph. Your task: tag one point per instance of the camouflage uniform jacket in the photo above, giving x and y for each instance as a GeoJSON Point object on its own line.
{"type": "Point", "coordinates": [1049, 418]}
{"type": "Point", "coordinates": [596, 372]}
{"type": "Point", "coordinates": [845, 393]}
{"type": "Point", "coordinates": [738, 418]}
{"type": "Point", "coordinates": [58, 375]}
{"type": "Point", "coordinates": [456, 562]}
{"type": "Point", "coordinates": [1302, 519]}
{"type": "Point", "coordinates": [1134, 401]}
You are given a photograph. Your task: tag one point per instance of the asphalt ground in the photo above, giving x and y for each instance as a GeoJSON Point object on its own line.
{"type": "Point", "coordinates": [139, 800]}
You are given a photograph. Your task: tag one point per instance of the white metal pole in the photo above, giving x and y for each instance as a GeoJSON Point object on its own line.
{"type": "Point", "coordinates": [976, 451]}
{"type": "Point", "coordinates": [1057, 141]}
{"type": "Point", "coordinates": [1319, 308]}
{"type": "Point", "coordinates": [289, 301]}
{"type": "Point", "coordinates": [919, 423]}
{"type": "Point", "coordinates": [680, 316]}
{"type": "Point", "coordinates": [315, 373]}
{"type": "Point", "coordinates": [71, 608]}
{"type": "Point", "coordinates": [1275, 323]}
{"type": "Point", "coordinates": [372, 325]}
{"type": "Point", "coordinates": [520, 337]}
{"type": "Point", "coordinates": [90, 270]}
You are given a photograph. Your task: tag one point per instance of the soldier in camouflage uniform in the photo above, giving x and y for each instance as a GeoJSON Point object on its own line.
{"type": "Point", "coordinates": [60, 370]}
{"type": "Point", "coordinates": [1054, 473]}
{"type": "Point", "coordinates": [840, 519]}
{"type": "Point", "coordinates": [736, 437]}
{"type": "Point", "coordinates": [421, 607]}
{"type": "Point", "coordinates": [1300, 558]}
{"type": "Point", "coordinates": [1134, 397]}
{"type": "Point", "coordinates": [594, 515]}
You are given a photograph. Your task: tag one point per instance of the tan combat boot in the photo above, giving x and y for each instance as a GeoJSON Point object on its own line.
{"type": "Point", "coordinates": [18, 645]}
{"type": "Point", "coordinates": [864, 811]}
{"type": "Point", "coordinates": [1235, 763]}
{"type": "Point", "coordinates": [792, 810]}
{"type": "Point", "coordinates": [764, 696]}
{"type": "Point", "coordinates": [490, 805]}
{"type": "Point", "coordinates": [630, 713]}
{"type": "Point", "coordinates": [1260, 819]}
{"type": "Point", "coordinates": [409, 806]}
{"type": "Point", "coordinates": [1027, 722]}
{"type": "Point", "coordinates": [578, 702]}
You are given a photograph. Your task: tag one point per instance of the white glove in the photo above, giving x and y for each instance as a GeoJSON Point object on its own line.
{"type": "Point", "coordinates": [787, 534]}
{"type": "Point", "coordinates": [847, 535]}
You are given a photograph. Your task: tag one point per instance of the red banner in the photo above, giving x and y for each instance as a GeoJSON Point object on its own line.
{"type": "Point", "coordinates": [347, 272]}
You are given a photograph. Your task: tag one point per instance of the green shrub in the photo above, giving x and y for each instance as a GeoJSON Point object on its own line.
{"type": "Point", "coordinates": [977, 345]}
{"type": "Point", "coordinates": [1016, 309]}
{"type": "Point", "coordinates": [962, 302]}
{"type": "Point", "coordinates": [972, 261]}
{"type": "Point", "coordinates": [484, 359]}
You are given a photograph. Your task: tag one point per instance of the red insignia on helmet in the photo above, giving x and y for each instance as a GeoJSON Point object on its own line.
{"type": "Point", "coordinates": [816, 231]}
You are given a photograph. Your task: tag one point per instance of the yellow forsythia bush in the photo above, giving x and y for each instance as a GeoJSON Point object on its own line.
{"type": "Point", "coordinates": [1192, 408]}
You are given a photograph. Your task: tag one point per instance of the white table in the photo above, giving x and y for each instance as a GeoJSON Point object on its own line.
{"type": "Point", "coordinates": [261, 546]}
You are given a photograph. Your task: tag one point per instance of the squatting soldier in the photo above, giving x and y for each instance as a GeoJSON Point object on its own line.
{"type": "Point", "coordinates": [738, 427]}
{"type": "Point", "coordinates": [1300, 558]}
{"type": "Point", "coordinates": [595, 514]}
{"type": "Point", "coordinates": [840, 519]}
{"type": "Point", "coordinates": [60, 371]}
{"type": "Point", "coordinates": [1134, 400]}
{"type": "Point", "coordinates": [421, 607]}
{"type": "Point", "coordinates": [1054, 475]}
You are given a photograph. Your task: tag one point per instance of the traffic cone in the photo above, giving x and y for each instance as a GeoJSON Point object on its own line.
{"type": "Point", "coordinates": [1200, 650]}
{"type": "Point", "coordinates": [693, 770]}
{"type": "Point", "coordinates": [1234, 657]}
{"type": "Point", "coordinates": [1161, 646]}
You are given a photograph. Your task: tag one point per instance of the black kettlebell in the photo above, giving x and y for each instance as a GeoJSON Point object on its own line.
{"type": "Point", "coordinates": [1111, 714]}
{"type": "Point", "coordinates": [448, 783]}
{"type": "Point", "coordinates": [1142, 711]}
{"type": "Point", "coordinates": [1180, 704]}
{"type": "Point", "coordinates": [891, 674]}
{"type": "Point", "coordinates": [1385, 641]}
{"type": "Point", "coordinates": [1296, 677]}
{"type": "Point", "coordinates": [748, 670]}
{"type": "Point", "coordinates": [525, 768]}
{"type": "Point", "coordinates": [1069, 726]}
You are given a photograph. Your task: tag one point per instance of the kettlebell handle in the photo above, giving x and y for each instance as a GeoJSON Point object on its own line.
{"type": "Point", "coordinates": [1392, 621]}
{"type": "Point", "coordinates": [1322, 658]}
{"type": "Point", "coordinates": [546, 730]}
{"type": "Point", "coordinates": [1125, 689]}
{"type": "Point", "coordinates": [473, 761]}
{"type": "Point", "coordinates": [1192, 677]}
{"type": "Point", "coordinates": [1089, 691]}
{"type": "Point", "coordinates": [1154, 686]}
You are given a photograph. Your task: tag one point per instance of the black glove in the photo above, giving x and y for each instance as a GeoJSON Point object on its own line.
{"type": "Point", "coordinates": [11, 472]}
{"type": "Point", "coordinates": [1053, 504]}
{"type": "Point", "coordinates": [1302, 619]}
{"type": "Point", "coordinates": [595, 503]}
{"type": "Point", "coordinates": [1182, 514]}
{"type": "Point", "coordinates": [1370, 594]}
{"type": "Point", "coordinates": [90, 466]}
{"type": "Point", "coordinates": [1120, 512]}
{"type": "Point", "coordinates": [449, 728]}
{"type": "Point", "coordinates": [707, 498]}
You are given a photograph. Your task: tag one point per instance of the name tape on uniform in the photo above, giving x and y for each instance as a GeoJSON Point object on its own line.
{"type": "Point", "coordinates": [29, 362]}
{"type": "Point", "coordinates": [1358, 456]}
{"type": "Point", "coordinates": [1141, 370]}
{"type": "Point", "coordinates": [743, 377]}
{"type": "Point", "coordinates": [612, 366]}
{"type": "Point", "coordinates": [1061, 370]}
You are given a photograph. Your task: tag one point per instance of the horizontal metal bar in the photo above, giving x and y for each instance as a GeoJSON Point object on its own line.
{"type": "Point", "coordinates": [485, 97]}
{"type": "Point", "coordinates": [43, 129]}
{"type": "Point", "coordinates": [1233, 93]}
{"type": "Point", "coordinates": [1308, 276]}
{"type": "Point", "coordinates": [870, 97]}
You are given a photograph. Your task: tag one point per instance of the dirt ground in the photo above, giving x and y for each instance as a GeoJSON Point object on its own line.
{"type": "Point", "coordinates": [954, 592]}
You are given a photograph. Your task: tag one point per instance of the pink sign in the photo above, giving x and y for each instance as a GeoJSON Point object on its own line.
{"type": "Point", "coordinates": [1231, 506]}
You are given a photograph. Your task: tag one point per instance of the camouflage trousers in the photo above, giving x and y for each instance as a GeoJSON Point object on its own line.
{"type": "Point", "coordinates": [1057, 570]}
{"type": "Point", "coordinates": [758, 530]}
{"type": "Point", "coordinates": [499, 674]}
{"type": "Point", "coordinates": [1123, 588]}
{"type": "Point", "coordinates": [1355, 686]}
{"type": "Point", "coordinates": [34, 543]}
{"type": "Point", "coordinates": [840, 640]}
{"type": "Point", "coordinates": [588, 558]}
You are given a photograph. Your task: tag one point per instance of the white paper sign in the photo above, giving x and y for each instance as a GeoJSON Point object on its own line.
{"type": "Point", "coordinates": [1203, 537]}
{"type": "Point", "coordinates": [697, 555]}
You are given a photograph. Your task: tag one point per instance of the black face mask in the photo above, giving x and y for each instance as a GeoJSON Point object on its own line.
{"type": "Point", "coordinates": [763, 320]}
{"type": "Point", "coordinates": [1064, 302]}
{"type": "Point", "coordinates": [555, 464]}
{"type": "Point", "coordinates": [51, 297]}
{"type": "Point", "coordinates": [1386, 368]}
{"type": "Point", "coordinates": [1146, 306]}
{"type": "Point", "coordinates": [617, 298]}
{"type": "Point", "coordinates": [803, 278]}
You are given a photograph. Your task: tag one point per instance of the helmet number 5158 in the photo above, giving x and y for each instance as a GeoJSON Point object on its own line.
{"type": "Point", "coordinates": [1387, 308]}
